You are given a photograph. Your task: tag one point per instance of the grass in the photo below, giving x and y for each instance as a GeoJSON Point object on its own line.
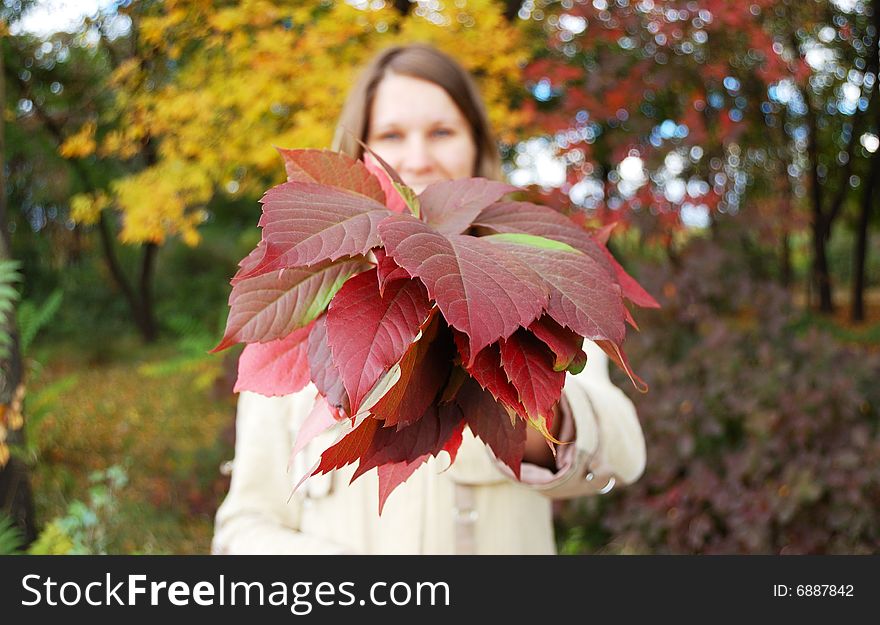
{"type": "Point", "coordinates": [840, 325]}
{"type": "Point", "coordinates": [121, 405]}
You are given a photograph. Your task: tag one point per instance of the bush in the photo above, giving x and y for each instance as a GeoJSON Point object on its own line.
{"type": "Point", "coordinates": [762, 430]}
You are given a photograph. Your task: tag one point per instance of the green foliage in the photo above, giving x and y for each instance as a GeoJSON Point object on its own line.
{"type": "Point", "coordinates": [9, 278]}
{"type": "Point", "coordinates": [33, 317]}
{"type": "Point", "coordinates": [168, 432]}
{"type": "Point", "coordinates": [85, 526]}
{"type": "Point", "coordinates": [11, 540]}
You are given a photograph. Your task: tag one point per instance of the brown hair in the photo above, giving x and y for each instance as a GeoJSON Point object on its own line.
{"type": "Point", "coordinates": [428, 63]}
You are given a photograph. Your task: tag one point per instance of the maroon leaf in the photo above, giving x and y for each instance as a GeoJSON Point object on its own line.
{"type": "Point", "coordinates": [271, 306]}
{"type": "Point", "coordinates": [307, 223]}
{"type": "Point", "coordinates": [482, 289]}
{"type": "Point", "coordinates": [486, 370]}
{"type": "Point", "coordinates": [453, 443]}
{"type": "Point", "coordinates": [583, 295]}
{"type": "Point", "coordinates": [333, 169]}
{"type": "Point", "coordinates": [325, 374]}
{"type": "Point", "coordinates": [565, 344]}
{"type": "Point", "coordinates": [457, 377]}
{"type": "Point", "coordinates": [489, 421]}
{"type": "Point", "coordinates": [368, 333]}
{"type": "Point", "coordinates": [528, 218]}
{"type": "Point", "coordinates": [450, 206]}
{"type": "Point", "coordinates": [387, 270]}
{"type": "Point", "coordinates": [428, 435]}
{"type": "Point", "coordinates": [528, 364]}
{"type": "Point", "coordinates": [349, 448]}
{"type": "Point", "coordinates": [275, 368]}
{"type": "Point", "coordinates": [393, 475]}
{"type": "Point", "coordinates": [424, 369]}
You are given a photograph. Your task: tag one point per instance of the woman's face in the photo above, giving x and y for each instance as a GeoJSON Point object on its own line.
{"type": "Point", "coordinates": [419, 130]}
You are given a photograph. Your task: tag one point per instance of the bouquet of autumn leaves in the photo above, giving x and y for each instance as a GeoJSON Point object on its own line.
{"type": "Point", "coordinates": [415, 315]}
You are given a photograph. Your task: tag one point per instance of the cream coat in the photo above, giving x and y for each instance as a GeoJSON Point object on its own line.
{"type": "Point", "coordinates": [474, 506]}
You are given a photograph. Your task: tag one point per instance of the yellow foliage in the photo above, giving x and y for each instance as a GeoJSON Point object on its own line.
{"type": "Point", "coordinates": [156, 202]}
{"type": "Point", "coordinates": [85, 208]}
{"type": "Point", "coordinates": [81, 143]}
{"type": "Point", "coordinates": [255, 74]}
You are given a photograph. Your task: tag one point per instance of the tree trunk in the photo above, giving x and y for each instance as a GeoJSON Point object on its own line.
{"type": "Point", "coordinates": [141, 310]}
{"type": "Point", "coordinates": [857, 309]}
{"type": "Point", "coordinates": [149, 329]}
{"type": "Point", "coordinates": [869, 201]}
{"type": "Point", "coordinates": [785, 259]}
{"type": "Point", "coordinates": [141, 313]}
{"type": "Point", "coordinates": [511, 9]}
{"type": "Point", "coordinates": [403, 6]}
{"type": "Point", "coordinates": [16, 497]}
{"type": "Point", "coordinates": [820, 225]}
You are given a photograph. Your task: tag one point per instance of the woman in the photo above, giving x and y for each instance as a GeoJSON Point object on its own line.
{"type": "Point", "coordinates": [421, 113]}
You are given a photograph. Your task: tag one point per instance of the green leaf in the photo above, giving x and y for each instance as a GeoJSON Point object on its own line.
{"type": "Point", "coordinates": [532, 240]}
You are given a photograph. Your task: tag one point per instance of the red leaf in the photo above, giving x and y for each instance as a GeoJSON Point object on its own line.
{"type": "Point", "coordinates": [482, 290]}
{"type": "Point", "coordinates": [387, 270]}
{"type": "Point", "coordinates": [271, 306]}
{"type": "Point", "coordinates": [307, 223]}
{"type": "Point", "coordinates": [486, 370]}
{"type": "Point", "coordinates": [632, 290]}
{"type": "Point", "coordinates": [489, 421]}
{"type": "Point", "coordinates": [565, 344]}
{"type": "Point", "coordinates": [323, 370]}
{"type": "Point", "coordinates": [618, 357]}
{"type": "Point", "coordinates": [249, 262]}
{"type": "Point", "coordinates": [439, 430]}
{"type": "Point", "coordinates": [368, 333]}
{"type": "Point", "coordinates": [333, 169]}
{"type": "Point", "coordinates": [349, 448]}
{"type": "Point", "coordinates": [393, 475]}
{"type": "Point", "coordinates": [528, 218]}
{"type": "Point", "coordinates": [453, 443]}
{"type": "Point", "coordinates": [424, 369]}
{"type": "Point", "coordinates": [450, 206]}
{"type": "Point", "coordinates": [393, 200]}
{"type": "Point", "coordinates": [583, 294]}
{"type": "Point", "coordinates": [428, 435]}
{"type": "Point", "coordinates": [528, 364]}
{"type": "Point", "coordinates": [604, 233]}
{"type": "Point", "coordinates": [276, 368]}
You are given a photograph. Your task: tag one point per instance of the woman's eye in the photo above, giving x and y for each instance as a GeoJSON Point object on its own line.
{"type": "Point", "coordinates": [390, 136]}
{"type": "Point", "coordinates": [442, 132]}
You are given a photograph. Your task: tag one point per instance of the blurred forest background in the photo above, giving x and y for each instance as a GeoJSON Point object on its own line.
{"type": "Point", "coordinates": [735, 142]}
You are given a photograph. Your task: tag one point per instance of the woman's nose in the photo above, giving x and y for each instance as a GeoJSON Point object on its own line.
{"type": "Point", "coordinates": [418, 158]}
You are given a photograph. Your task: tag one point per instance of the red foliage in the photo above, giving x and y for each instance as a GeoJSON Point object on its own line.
{"type": "Point", "coordinates": [437, 328]}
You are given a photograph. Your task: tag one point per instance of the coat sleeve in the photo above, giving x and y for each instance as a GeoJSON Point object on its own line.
{"type": "Point", "coordinates": [608, 446]}
{"type": "Point", "coordinates": [259, 515]}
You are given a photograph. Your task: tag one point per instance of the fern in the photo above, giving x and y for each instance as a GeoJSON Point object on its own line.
{"type": "Point", "coordinates": [11, 540]}
{"type": "Point", "coordinates": [34, 317]}
{"type": "Point", "coordinates": [9, 278]}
